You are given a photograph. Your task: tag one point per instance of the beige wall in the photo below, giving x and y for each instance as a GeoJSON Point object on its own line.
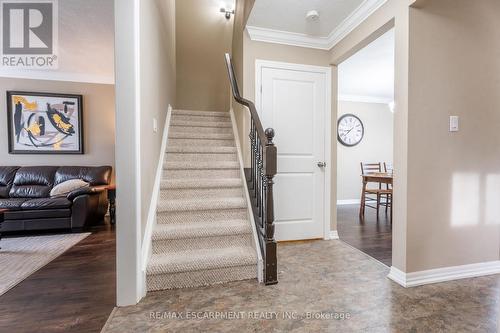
{"type": "Point", "coordinates": [376, 146]}
{"type": "Point", "coordinates": [203, 36]}
{"type": "Point", "coordinates": [98, 123]}
{"type": "Point", "coordinates": [454, 178]}
{"type": "Point", "coordinates": [444, 182]}
{"type": "Point", "coordinates": [242, 10]}
{"type": "Point", "coordinates": [157, 88]}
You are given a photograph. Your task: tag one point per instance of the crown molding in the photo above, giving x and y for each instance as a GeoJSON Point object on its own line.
{"type": "Point", "coordinates": [287, 38]}
{"type": "Point", "coordinates": [56, 76]}
{"type": "Point", "coordinates": [365, 99]}
{"type": "Point", "coordinates": [360, 14]}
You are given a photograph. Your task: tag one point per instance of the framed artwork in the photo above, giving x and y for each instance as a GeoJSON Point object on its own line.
{"type": "Point", "coordinates": [44, 123]}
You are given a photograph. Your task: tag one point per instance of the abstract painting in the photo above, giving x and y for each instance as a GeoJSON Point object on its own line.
{"type": "Point", "coordinates": [44, 123]}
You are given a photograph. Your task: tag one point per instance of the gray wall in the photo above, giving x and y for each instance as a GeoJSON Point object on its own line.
{"type": "Point", "coordinates": [376, 146]}
{"type": "Point", "coordinates": [98, 122]}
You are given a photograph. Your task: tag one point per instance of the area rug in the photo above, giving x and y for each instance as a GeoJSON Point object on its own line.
{"type": "Point", "coordinates": [22, 256]}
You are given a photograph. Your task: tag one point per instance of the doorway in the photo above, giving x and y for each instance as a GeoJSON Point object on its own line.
{"type": "Point", "coordinates": [295, 100]}
{"type": "Point", "coordinates": [365, 144]}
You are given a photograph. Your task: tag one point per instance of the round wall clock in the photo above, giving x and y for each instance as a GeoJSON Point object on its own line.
{"type": "Point", "coordinates": [350, 130]}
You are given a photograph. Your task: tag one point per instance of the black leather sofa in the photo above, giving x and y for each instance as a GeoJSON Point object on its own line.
{"type": "Point", "coordinates": [25, 193]}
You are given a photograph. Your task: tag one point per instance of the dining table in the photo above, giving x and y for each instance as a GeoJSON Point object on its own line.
{"type": "Point", "coordinates": [375, 177]}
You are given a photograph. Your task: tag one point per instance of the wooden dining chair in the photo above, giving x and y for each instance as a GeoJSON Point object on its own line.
{"type": "Point", "coordinates": [375, 194]}
{"type": "Point", "coordinates": [388, 168]}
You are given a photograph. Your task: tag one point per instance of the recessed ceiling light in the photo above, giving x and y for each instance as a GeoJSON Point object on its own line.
{"type": "Point", "coordinates": [312, 15]}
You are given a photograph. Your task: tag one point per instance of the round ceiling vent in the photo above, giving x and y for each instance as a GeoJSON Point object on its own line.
{"type": "Point", "coordinates": [312, 15]}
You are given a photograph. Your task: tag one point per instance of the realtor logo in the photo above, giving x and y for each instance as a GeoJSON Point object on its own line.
{"type": "Point", "coordinates": [29, 34]}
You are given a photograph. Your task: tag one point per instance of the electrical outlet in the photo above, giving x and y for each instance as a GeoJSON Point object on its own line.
{"type": "Point", "coordinates": [155, 125]}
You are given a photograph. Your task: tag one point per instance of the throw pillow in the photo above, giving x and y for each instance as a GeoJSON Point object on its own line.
{"type": "Point", "coordinates": [66, 187]}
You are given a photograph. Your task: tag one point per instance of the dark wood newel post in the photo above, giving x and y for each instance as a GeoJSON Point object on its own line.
{"type": "Point", "coordinates": [270, 167]}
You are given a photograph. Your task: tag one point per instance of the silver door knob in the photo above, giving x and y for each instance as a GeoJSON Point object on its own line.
{"type": "Point", "coordinates": [322, 164]}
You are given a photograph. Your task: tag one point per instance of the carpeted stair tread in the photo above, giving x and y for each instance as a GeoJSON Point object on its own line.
{"type": "Point", "coordinates": [201, 204]}
{"type": "Point", "coordinates": [199, 260]}
{"type": "Point", "coordinates": [191, 129]}
{"type": "Point", "coordinates": [201, 149]}
{"type": "Point", "coordinates": [222, 124]}
{"type": "Point", "coordinates": [198, 230]}
{"type": "Point", "coordinates": [200, 216]}
{"type": "Point", "coordinates": [202, 142]}
{"type": "Point", "coordinates": [200, 183]}
{"type": "Point", "coordinates": [197, 135]}
{"type": "Point", "coordinates": [199, 118]}
{"type": "Point", "coordinates": [203, 235]}
{"type": "Point", "coordinates": [223, 114]}
{"type": "Point", "coordinates": [201, 165]}
{"type": "Point", "coordinates": [196, 157]}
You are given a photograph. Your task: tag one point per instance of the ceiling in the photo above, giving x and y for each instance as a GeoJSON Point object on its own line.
{"type": "Point", "coordinates": [369, 74]}
{"type": "Point", "coordinates": [285, 22]}
{"type": "Point", "coordinates": [290, 15]}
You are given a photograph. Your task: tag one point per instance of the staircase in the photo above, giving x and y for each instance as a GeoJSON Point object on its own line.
{"type": "Point", "coordinates": [203, 235]}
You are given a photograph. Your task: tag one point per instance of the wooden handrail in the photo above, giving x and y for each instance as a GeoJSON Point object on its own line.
{"type": "Point", "coordinates": [260, 180]}
{"type": "Point", "coordinates": [249, 104]}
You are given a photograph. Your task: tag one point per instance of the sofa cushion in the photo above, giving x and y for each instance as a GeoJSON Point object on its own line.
{"type": "Point", "coordinates": [12, 204]}
{"type": "Point", "coordinates": [7, 174]}
{"type": "Point", "coordinates": [33, 182]}
{"type": "Point", "coordinates": [46, 203]}
{"type": "Point", "coordinates": [37, 214]}
{"type": "Point", "coordinates": [66, 187]}
{"type": "Point", "coordinates": [95, 176]}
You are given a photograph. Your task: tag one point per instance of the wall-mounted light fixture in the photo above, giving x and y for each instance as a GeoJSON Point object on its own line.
{"type": "Point", "coordinates": [227, 12]}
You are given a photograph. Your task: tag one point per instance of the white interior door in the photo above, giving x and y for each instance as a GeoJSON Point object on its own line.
{"type": "Point", "coordinates": [293, 100]}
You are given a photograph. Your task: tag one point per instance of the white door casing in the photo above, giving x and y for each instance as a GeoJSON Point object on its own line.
{"type": "Point", "coordinates": [295, 100]}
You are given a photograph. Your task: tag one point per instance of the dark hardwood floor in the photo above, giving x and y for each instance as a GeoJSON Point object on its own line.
{"type": "Point", "coordinates": [372, 236]}
{"type": "Point", "coordinates": [73, 293]}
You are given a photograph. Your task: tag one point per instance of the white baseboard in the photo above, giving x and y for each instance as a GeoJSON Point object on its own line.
{"type": "Point", "coordinates": [333, 234]}
{"type": "Point", "coordinates": [443, 274]}
{"type": "Point", "coordinates": [397, 276]}
{"type": "Point", "coordinates": [348, 202]}
{"type": "Point", "coordinates": [151, 222]}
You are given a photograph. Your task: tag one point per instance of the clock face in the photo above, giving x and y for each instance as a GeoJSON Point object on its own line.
{"type": "Point", "coordinates": [350, 130]}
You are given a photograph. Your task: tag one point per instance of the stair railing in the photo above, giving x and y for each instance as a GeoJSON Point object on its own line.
{"type": "Point", "coordinates": [259, 179]}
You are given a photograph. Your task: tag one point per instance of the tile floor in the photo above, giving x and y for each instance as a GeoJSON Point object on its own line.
{"type": "Point", "coordinates": [343, 289]}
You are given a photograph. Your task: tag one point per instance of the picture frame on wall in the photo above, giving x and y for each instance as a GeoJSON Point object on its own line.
{"type": "Point", "coordinates": [44, 123]}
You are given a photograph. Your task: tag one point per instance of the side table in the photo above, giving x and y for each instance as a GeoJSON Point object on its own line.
{"type": "Point", "coordinates": [112, 204]}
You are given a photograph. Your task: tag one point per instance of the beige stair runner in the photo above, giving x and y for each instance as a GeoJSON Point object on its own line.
{"type": "Point", "coordinates": [203, 235]}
